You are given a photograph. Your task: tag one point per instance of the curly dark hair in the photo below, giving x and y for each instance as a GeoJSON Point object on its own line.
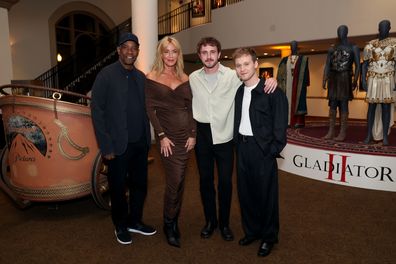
{"type": "Point", "coordinates": [211, 41]}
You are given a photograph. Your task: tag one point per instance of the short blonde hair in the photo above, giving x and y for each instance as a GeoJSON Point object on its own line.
{"type": "Point", "coordinates": [244, 51]}
{"type": "Point", "coordinates": [158, 65]}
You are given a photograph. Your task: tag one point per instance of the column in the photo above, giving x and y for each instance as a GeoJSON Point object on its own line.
{"type": "Point", "coordinates": [5, 50]}
{"type": "Point", "coordinates": [145, 26]}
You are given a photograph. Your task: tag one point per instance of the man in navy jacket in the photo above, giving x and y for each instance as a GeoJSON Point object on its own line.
{"type": "Point", "coordinates": [123, 133]}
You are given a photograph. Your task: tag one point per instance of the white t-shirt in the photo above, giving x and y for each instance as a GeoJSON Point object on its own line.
{"type": "Point", "coordinates": [245, 127]}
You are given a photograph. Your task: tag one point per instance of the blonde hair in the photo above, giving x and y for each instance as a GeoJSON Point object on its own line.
{"type": "Point", "coordinates": [158, 65]}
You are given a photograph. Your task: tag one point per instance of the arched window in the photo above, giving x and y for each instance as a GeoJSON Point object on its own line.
{"type": "Point", "coordinates": [77, 32]}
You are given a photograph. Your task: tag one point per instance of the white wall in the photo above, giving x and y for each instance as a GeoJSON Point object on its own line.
{"type": "Point", "coordinates": [29, 31]}
{"type": "Point", "coordinates": [258, 22]}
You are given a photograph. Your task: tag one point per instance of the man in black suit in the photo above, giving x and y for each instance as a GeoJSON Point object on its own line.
{"type": "Point", "coordinates": [123, 134]}
{"type": "Point", "coordinates": [260, 135]}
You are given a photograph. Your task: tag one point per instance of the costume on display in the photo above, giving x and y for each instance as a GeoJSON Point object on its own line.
{"type": "Point", "coordinates": [293, 79]}
{"type": "Point", "coordinates": [340, 80]}
{"type": "Point", "coordinates": [379, 81]}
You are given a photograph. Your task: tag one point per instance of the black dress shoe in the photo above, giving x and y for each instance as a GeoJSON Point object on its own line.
{"type": "Point", "coordinates": [226, 233]}
{"type": "Point", "coordinates": [265, 249]}
{"type": "Point", "coordinates": [208, 230]}
{"type": "Point", "coordinates": [246, 240]}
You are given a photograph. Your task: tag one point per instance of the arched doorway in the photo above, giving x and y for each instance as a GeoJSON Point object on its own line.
{"type": "Point", "coordinates": [85, 51]}
{"type": "Point", "coordinates": [78, 45]}
{"type": "Point", "coordinates": [77, 29]}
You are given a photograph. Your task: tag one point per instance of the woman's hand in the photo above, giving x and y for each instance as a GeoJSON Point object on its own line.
{"type": "Point", "coordinates": [190, 144]}
{"type": "Point", "coordinates": [166, 147]}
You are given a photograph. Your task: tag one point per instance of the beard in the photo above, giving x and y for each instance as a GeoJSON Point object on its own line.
{"type": "Point", "coordinates": [210, 63]}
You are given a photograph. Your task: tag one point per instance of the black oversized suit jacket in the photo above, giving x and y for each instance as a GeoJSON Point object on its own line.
{"type": "Point", "coordinates": [268, 117]}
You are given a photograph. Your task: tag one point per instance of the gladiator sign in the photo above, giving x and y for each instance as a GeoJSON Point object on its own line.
{"type": "Point", "coordinates": [348, 169]}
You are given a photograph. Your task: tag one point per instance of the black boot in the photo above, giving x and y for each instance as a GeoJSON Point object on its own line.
{"type": "Point", "coordinates": [385, 123]}
{"type": "Point", "coordinates": [172, 236]}
{"type": "Point", "coordinates": [343, 126]}
{"type": "Point", "coordinates": [332, 121]}
{"type": "Point", "coordinates": [370, 123]}
{"type": "Point", "coordinates": [176, 228]}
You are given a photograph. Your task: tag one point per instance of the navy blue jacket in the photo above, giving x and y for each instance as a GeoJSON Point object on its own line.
{"type": "Point", "coordinates": [110, 104]}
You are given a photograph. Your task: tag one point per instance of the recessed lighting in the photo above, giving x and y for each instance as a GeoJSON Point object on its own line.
{"type": "Point", "coordinates": [225, 56]}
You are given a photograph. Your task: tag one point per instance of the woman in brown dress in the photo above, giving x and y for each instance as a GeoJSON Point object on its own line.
{"type": "Point", "coordinates": [168, 102]}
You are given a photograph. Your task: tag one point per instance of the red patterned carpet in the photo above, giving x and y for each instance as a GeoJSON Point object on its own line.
{"type": "Point", "coordinates": [311, 136]}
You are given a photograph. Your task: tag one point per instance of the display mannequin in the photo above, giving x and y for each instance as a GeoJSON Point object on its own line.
{"type": "Point", "coordinates": [293, 79]}
{"type": "Point", "coordinates": [378, 72]}
{"type": "Point", "coordinates": [340, 80]}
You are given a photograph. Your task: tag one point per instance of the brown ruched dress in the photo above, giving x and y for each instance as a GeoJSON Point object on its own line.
{"type": "Point", "coordinates": [170, 112]}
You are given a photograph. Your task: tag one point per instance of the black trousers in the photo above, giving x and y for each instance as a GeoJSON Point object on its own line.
{"type": "Point", "coordinates": [207, 155]}
{"type": "Point", "coordinates": [128, 172]}
{"type": "Point", "coordinates": [257, 178]}
{"type": "Point", "coordinates": [341, 104]}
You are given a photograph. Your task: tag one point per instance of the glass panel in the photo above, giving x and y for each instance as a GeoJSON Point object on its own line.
{"type": "Point", "coordinates": [62, 35]}
{"type": "Point", "coordinates": [84, 23]}
{"type": "Point", "coordinates": [64, 22]}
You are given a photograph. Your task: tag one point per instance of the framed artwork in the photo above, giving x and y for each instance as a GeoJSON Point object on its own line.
{"type": "Point", "coordinates": [218, 3]}
{"type": "Point", "coordinates": [266, 72]}
{"type": "Point", "coordinates": [198, 9]}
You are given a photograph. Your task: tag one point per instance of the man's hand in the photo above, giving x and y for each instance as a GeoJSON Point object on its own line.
{"type": "Point", "coordinates": [166, 147]}
{"type": "Point", "coordinates": [270, 85]}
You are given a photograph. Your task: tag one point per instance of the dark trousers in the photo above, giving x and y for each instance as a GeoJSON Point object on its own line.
{"type": "Point", "coordinates": [257, 177]}
{"type": "Point", "coordinates": [341, 104]}
{"type": "Point", "coordinates": [385, 110]}
{"type": "Point", "coordinates": [128, 172]}
{"type": "Point", "coordinates": [207, 155]}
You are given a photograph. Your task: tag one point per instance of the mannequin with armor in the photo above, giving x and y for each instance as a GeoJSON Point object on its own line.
{"type": "Point", "coordinates": [378, 72]}
{"type": "Point", "coordinates": [340, 80]}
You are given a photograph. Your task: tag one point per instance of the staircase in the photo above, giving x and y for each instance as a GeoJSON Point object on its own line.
{"type": "Point", "coordinates": [74, 75]}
